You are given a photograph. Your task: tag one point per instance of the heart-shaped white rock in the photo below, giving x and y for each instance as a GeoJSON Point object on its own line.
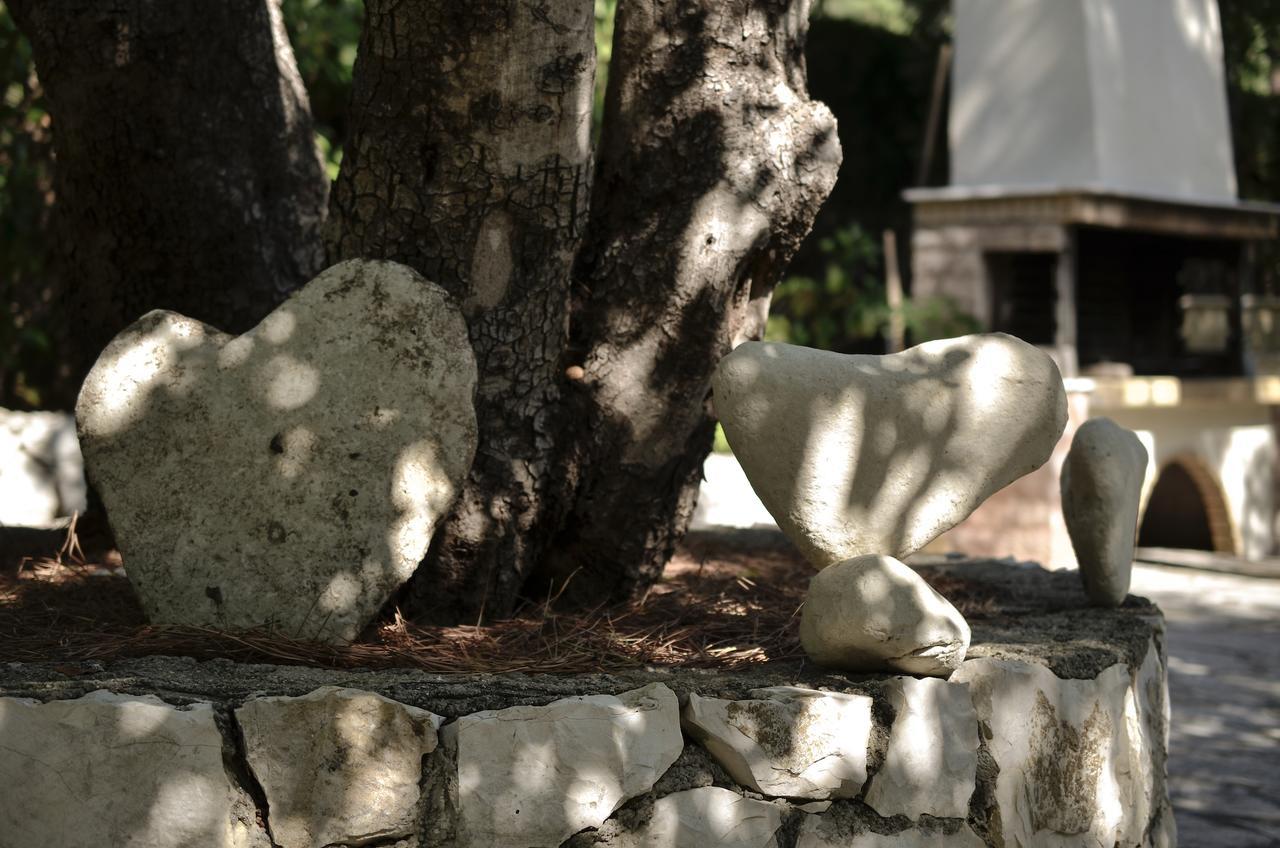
{"type": "Point", "coordinates": [290, 477]}
{"type": "Point", "coordinates": [1101, 489]}
{"type": "Point", "coordinates": [859, 455]}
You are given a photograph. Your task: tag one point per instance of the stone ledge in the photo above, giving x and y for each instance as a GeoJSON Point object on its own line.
{"type": "Point", "coordinates": [1053, 732]}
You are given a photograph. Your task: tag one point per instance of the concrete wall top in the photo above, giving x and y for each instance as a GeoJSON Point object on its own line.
{"type": "Point", "coordinates": [1123, 95]}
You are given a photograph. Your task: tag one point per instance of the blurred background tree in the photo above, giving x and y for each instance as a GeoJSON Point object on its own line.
{"type": "Point", "coordinates": [872, 61]}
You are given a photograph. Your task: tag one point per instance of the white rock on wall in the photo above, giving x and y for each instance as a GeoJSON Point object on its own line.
{"type": "Point", "coordinates": [857, 454]}
{"type": "Point", "coordinates": [873, 613]}
{"type": "Point", "coordinates": [931, 764]}
{"type": "Point", "coordinates": [41, 471]}
{"type": "Point", "coordinates": [534, 776]}
{"type": "Point", "coordinates": [821, 832]}
{"type": "Point", "coordinates": [1101, 487]}
{"type": "Point", "coordinates": [107, 770]}
{"type": "Point", "coordinates": [1067, 772]}
{"type": "Point", "coordinates": [708, 817]}
{"type": "Point", "coordinates": [786, 741]}
{"type": "Point", "coordinates": [290, 477]}
{"type": "Point", "coordinates": [337, 765]}
{"type": "Point", "coordinates": [1143, 774]}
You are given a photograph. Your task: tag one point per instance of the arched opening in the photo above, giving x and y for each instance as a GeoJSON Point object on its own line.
{"type": "Point", "coordinates": [1186, 510]}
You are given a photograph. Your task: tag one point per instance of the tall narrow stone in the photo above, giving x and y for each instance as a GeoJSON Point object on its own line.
{"type": "Point", "coordinates": [1101, 488]}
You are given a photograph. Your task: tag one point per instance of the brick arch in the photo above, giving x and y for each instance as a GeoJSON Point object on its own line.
{"type": "Point", "coordinates": [1187, 509]}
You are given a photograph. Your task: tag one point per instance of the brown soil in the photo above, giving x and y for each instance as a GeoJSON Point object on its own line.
{"type": "Point", "coordinates": [727, 600]}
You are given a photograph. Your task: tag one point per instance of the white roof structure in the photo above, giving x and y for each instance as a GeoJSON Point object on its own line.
{"type": "Point", "coordinates": [1123, 96]}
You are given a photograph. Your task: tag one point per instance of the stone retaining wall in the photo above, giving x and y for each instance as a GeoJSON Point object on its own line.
{"type": "Point", "coordinates": [1056, 742]}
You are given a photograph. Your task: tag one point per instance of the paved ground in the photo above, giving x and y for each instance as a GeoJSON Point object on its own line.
{"type": "Point", "coordinates": [1224, 684]}
{"type": "Point", "coordinates": [1224, 678]}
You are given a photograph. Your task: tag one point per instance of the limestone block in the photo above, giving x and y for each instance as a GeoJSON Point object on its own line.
{"type": "Point", "coordinates": [931, 765]}
{"type": "Point", "coordinates": [1067, 775]}
{"type": "Point", "coordinates": [41, 470]}
{"type": "Point", "coordinates": [873, 613]}
{"type": "Point", "coordinates": [1101, 487]}
{"type": "Point", "coordinates": [534, 776]}
{"type": "Point", "coordinates": [108, 769]}
{"type": "Point", "coordinates": [857, 454]}
{"type": "Point", "coordinates": [290, 477]}
{"type": "Point", "coordinates": [822, 832]}
{"type": "Point", "coordinates": [709, 817]}
{"type": "Point", "coordinates": [787, 741]}
{"type": "Point", "coordinates": [1143, 772]}
{"type": "Point", "coordinates": [337, 765]}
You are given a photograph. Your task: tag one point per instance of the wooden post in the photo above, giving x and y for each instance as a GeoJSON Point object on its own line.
{"type": "Point", "coordinates": [935, 113]}
{"type": "Point", "coordinates": [897, 331]}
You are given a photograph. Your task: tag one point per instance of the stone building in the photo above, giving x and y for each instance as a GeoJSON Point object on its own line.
{"type": "Point", "coordinates": [1093, 210]}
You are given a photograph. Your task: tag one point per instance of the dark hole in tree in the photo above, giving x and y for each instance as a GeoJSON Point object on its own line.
{"type": "Point", "coordinates": [1176, 516]}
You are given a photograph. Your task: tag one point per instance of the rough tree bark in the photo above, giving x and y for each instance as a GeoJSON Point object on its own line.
{"type": "Point", "coordinates": [186, 175]}
{"type": "Point", "coordinates": [713, 164]}
{"type": "Point", "coordinates": [468, 158]}
{"type": "Point", "coordinates": [598, 309]}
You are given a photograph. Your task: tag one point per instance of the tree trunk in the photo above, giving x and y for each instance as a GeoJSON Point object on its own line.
{"type": "Point", "coordinates": [713, 164]}
{"type": "Point", "coordinates": [469, 160]}
{"type": "Point", "coordinates": [186, 171]}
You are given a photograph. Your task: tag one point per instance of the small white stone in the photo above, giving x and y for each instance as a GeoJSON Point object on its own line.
{"type": "Point", "coordinates": [873, 613]}
{"type": "Point", "coordinates": [41, 471]}
{"type": "Point", "coordinates": [290, 477]}
{"type": "Point", "coordinates": [931, 765]}
{"type": "Point", "coordinates": [534, 776]}
{"type": "Point", "coordinates": [708, 817]}
{"type": "Point", "coordinates": [858, 455]}
{"type": "Point", "coordinates": [109, 769]}
{"type": "Point", "coordinates": [337, 765]}
{"type": "Point", "coordinates": [1101, 487]}
{"type": "Point", "coordinates": [818, 832]}
{"type": "Point", "coordinates": [1062, 749]}
{"type": "Point", "coordinates": [787, 742]}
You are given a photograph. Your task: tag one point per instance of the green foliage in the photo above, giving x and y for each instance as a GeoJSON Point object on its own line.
{"type": "Point", "coordinates": [605, 10]}
{"type": "Point", "coordinates": [26, 192]}
{"type": "Point", "coordinates": [846, 309]}
{"type": "Point", "coordinates": [325, 35]}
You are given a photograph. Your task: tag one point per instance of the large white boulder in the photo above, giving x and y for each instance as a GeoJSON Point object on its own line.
{"type": "Point", "coordinates": [290, 477]}
{"type": "Point", "coordinates": [931, 764]}
{"type": "Point", "coordinates": [1101, 487]}
{"type": "Point", "coordinates": [338, 766]}
{"type": "Point", "coordinates": [534, 776]}
{"type": "Point", "coordinates": [109, 769]}
{"type": "Point", "coordinates": [786, 741]}
{"type": "Point", "coordinates": [857, 454]}
{"type": "Point", "coordinates": [873, 613]}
